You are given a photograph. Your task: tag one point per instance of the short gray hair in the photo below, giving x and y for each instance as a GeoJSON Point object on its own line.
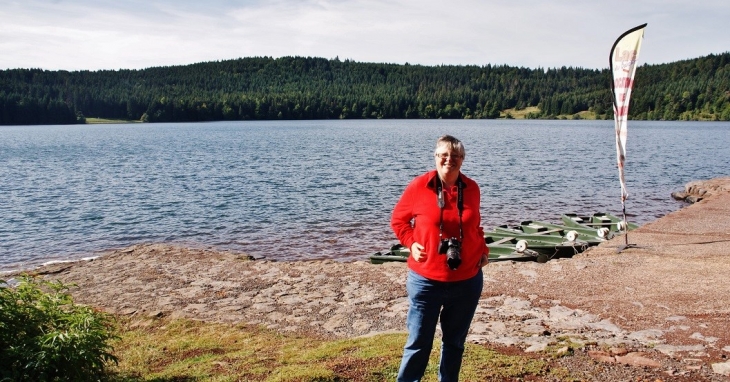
{"type": "Point", "coordinates": [452, 143]}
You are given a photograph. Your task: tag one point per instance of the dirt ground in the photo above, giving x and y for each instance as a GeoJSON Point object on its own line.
{"type": "Point", "coordinates": [664, 299]}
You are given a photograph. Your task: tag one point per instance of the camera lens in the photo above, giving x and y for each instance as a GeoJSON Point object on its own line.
{"type": "Point", "coordinates": [453, 254]}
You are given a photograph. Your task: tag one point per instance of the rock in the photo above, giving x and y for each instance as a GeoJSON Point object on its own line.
{"type": "Point", "coordinates": [618, 351]}
{"type": "Point", "coordinates": [601, 356]}
{"type": "Point", "coordinates": [672, 350]}
{"type": "Point", "coordinates": [561, 312]}
{"type": "Point", "coordinates": [637, 359]}
{"type": "Point", "coordinates": [679, 195]}
{"type": "Point", "coordinates": [528, 273]}
{"type": "Point", "coordinates": [699, 336]}
{"type": "Point", "coordinates": [535, 329]}
{"type": "Point", "coordinates": [156, 314]}
{"type": "Point", "coordinates": [646, 335]}
{"type": "Point", "coordinates": [538, 346]}
{"type": "Point", "coordinates": [565, 350]}
{"type": "Point", "coordinates": [127, 311]}
{"type": "Point", "coordinates": [698, 190]}
{"type": "Point", "coordinates": [606, 325]}
{"type": "Point", "coordinates": [721, 368]}
{"type": "Point", "coordinates": [692, 199]}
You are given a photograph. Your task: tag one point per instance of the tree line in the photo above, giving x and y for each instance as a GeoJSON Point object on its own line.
{"type": "Point", "coordinates": [266, 88]}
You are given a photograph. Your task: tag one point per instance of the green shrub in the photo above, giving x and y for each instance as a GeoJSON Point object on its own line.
{"type": "Point", "coordinates": [44, 336]}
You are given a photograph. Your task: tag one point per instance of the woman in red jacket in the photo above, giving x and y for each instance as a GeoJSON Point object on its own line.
{"type": "Point", "coordinates": [438, 219]}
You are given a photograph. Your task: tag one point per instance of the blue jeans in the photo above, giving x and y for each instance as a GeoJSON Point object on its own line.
{"type": "Point", "coordinates": [455, 303]}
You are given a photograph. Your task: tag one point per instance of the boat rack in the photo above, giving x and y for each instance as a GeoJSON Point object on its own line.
{"type": "Point", "coordinates": [536, 240]}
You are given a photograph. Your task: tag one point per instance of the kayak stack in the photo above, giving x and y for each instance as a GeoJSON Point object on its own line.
{"type": "Point", "coordinates": [537, 240]}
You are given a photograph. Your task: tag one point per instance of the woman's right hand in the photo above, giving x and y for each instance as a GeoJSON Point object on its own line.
{"type": "Point", "coordinates": [418, 253]}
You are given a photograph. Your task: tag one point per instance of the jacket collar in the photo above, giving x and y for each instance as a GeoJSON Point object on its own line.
{"type": "Point", "coordinates": [432, 180]}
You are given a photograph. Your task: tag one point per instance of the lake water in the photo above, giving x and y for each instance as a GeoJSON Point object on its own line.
{"type": "Point", "coordinates": [293, 190]}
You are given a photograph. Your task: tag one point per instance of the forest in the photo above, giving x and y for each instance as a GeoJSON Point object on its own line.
{"type": "Point", "coordinates": [289, 88]}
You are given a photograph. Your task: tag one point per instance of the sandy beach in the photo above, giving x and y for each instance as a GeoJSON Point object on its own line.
{"type": "Point", "coordinates": [659, 309]}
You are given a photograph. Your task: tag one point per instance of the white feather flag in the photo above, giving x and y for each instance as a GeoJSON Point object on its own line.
{"type": "Point", "coordinates": [624, 54]}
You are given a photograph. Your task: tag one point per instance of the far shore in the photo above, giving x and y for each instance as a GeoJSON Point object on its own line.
{"type": "Point", "coordinates": [512, 113]}
{"type": "Point", "coordinates": [98, 121]}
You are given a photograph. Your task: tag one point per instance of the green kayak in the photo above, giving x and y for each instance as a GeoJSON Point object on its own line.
{"type": "Point", "coordinates": [399, 253]}
{"type": "Point", "coordinates": [501, 252]}
{"type": "Point", "coordinates": [552, 246]}
{"type": "Point", "coordinates": [553, 237]}
{"type": "Point", "coordinates": [396, 253]}
{"type": "Point", "coordinates": [592, 236]}
{"type": "Point", "coordinates": [598, 220]}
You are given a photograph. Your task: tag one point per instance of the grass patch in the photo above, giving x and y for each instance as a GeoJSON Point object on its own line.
{"type": "Point", "coordinates": [184, 350]}
{"type": "Point", "coordinates": [534, 110]}
{"type": "Point", "coordinates": [90, 120]}
{"type": "Point", "coordinates": [519, 114]}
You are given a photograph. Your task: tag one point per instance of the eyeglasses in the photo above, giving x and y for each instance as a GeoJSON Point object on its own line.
{"type": "Point", "coordinates": [447, 155]}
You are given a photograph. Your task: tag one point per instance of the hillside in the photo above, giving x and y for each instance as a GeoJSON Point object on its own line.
{"type": "Point", "coordinates": [264, 88]}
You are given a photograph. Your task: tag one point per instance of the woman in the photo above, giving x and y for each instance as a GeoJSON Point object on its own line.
{"type": "Point", "coordinates": [444, 281]}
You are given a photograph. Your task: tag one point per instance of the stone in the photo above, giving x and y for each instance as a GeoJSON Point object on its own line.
{"type": "Point", "coordinates": [335, 322]}
{"type": "Point", "coordinates": [693, 199]}
{"type": "Point", "coordinates": [156, 314]}
{"type": "Point", "coordinates": [618, 351]}
{"type": "Point", "coordinates": [535, 329]}
{"type": "Point", "coordinates": [517, 303]}
{"type": "Point", "coordinates": [560, 312]}
{"type": "Point", "coordinates": [637, 359]}
{"type": "Point", "coordinates": [679, 195]}
{"type": "Point", "coordinates": [601, 356]}
{"type": "Point", "coordinates": [498, 327]}
{"type": "Point", "coordinates": [647, 335]}
{"type": "Point", "coordinates": [722, 368]}
{"type": "Point", "coordinates": [699, 336]}
{"type": "Point", "coordinates": [565, 350]}
{"type": "Point", "coordinates": [528, 272]}
{"type": "Point", "coordinates": [291, 300]}
{"type": "Point", "coordinates": [128, 311]}
{"type": "Point", "coordinates": [196, 308]}
{"type": "Point", "coordinates": [508, 341]}
{"type": "Point", "coordinates": [606, 325]}
{"type": "Point", "coordinates": [264, 308]}
{"type": "Point", "coordinates": [672, 350]}
{"type": "Point", "coordinates": [362, 325]}
{"type": "Point", "coordinates": [538, 347]}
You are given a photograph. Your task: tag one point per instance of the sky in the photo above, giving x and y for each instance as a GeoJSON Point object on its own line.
{"type": "Point", "coordinates": [136, 34]}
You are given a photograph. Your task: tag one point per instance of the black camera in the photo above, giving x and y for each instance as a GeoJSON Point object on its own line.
{"type": "Point", "coordinates": [452, 249]}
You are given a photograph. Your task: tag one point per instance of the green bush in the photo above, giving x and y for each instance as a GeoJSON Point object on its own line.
{"type": "Point", "coordinates": [44, 336]}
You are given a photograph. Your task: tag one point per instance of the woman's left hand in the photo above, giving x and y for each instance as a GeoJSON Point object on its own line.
{"type": "Point", "coordinates": [484, 261]}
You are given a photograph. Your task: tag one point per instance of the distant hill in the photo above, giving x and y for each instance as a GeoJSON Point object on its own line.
{"type": "Point", "coordinates": [264, 88]}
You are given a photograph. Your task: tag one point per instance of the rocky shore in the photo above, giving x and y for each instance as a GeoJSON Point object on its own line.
{"type": "Point", "coordinates": [658, 309]}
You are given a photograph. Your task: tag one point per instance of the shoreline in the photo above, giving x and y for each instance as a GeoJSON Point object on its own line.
{"type": "Point", "coordinates": [662, 305]}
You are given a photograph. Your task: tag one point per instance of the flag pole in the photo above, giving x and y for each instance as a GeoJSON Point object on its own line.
{"type": "Point", "coordinates": [622, 63]}
{"type": "Point", "coordinates": [626, 227]}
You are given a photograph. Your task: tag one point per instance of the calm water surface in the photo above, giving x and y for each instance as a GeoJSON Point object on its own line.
{"type": "Point", "coordinates": [317, 189]}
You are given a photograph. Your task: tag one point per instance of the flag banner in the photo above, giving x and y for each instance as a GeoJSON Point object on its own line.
{"type": "Point", "coordinates": [622, 61]}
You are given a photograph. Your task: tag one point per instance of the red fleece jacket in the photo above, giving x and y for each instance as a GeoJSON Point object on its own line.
{"type": "Point", "coordinates": [416, 219]}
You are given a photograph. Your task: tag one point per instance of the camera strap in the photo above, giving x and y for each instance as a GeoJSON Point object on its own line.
{"type": "Point", "coordinates": [442, 203]}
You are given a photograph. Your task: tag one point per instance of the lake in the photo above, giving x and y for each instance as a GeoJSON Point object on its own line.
{"type": "Point", "coordinates": [292, 190]}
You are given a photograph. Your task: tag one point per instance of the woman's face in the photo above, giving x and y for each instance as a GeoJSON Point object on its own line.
{"type": "Point", "coordinates": [448, 161]}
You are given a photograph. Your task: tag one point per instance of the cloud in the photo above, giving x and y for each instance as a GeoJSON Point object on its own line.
{"type": "Point", "coordinates": [104, 34]}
